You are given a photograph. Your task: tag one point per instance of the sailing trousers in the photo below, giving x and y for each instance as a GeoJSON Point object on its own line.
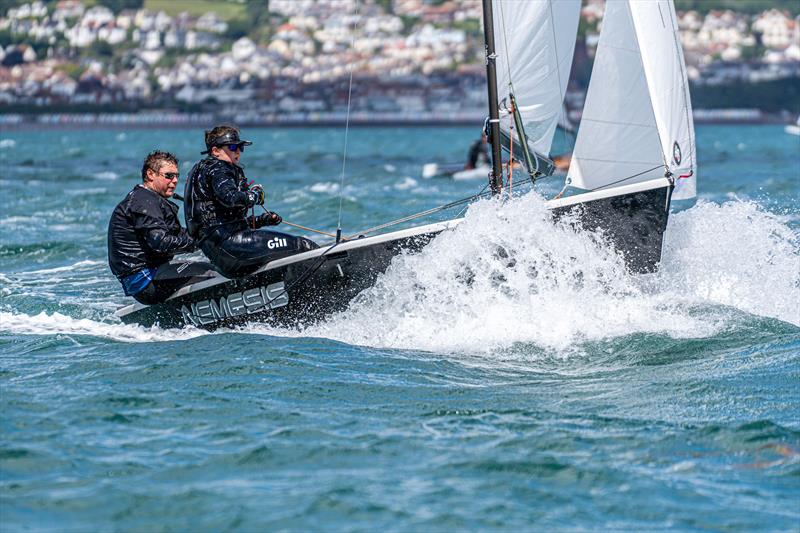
{"type": "Point", "coordinates": [170, 277]}
{"type": "Point", "coordinates": [238, 253]}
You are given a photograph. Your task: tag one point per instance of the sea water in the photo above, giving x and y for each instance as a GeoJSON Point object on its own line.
{"type": "Point", "coordinates": [537, 387]}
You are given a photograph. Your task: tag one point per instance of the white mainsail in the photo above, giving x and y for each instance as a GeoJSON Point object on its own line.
{"type": "Point", "coordinates": [637, 120]}
{"type": "Point", "coordinates": [535, 42]}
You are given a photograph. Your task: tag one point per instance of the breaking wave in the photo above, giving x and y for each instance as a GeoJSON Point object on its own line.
{"type": "Point", "coordinates": [59, 324]}
{"type": "Point", "coordinates": [496, 281]}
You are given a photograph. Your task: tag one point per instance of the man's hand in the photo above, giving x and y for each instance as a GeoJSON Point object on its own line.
{"type": "Point", "coordinates": [257, 194]}
{"type": "Point", "coordinates": [271, 219]}
{"type": "Point", "coordinates": [265, 219]}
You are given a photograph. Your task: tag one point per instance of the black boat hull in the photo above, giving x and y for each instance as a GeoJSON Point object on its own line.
{"type": "Point", "coordinates": [633, 223]}
{"type": "Point", "coordinates": [310, 286]}
{"type": "Point", "coordinates": [300, 292]}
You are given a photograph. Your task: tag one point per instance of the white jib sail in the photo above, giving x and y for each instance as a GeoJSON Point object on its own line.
{"type": "Point", "coordinates": [534, 43]}
{"type": "Point", "coordinates": [637, 119]}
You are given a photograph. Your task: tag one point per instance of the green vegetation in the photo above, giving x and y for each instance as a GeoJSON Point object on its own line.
{"type": "Point", "coordinates": [408, 23]}
{"type": "Point", "coordinates": [6, 38]}
{"type": "Point", "coordinates": [5, 5]}
{"type": "Point", "coordinates": [73, 70]}
{"type": "Point", "coordinates": [386, 5]}
{"type": "Point", "coordinates": [740, 6]}
{"type": "Point", "coordinates": [225, 9]}
{"type": "Point", "coordinates": [472, 27]}
{"type": "Point", "coordinates": [753, 53]}
{"type": "Point", "coordinates": [101, 49]}
{"type": "Point", "coordinates": [585, 27]}
{"type": "Point", "coordinates": [118, 5]}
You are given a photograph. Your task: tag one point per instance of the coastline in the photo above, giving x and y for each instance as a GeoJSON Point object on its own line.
{"type": "Point", "coordinates": [175, 119]}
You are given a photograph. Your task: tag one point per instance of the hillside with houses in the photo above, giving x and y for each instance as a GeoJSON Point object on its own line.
{"type": "Point", "coordinates": [411, 59]}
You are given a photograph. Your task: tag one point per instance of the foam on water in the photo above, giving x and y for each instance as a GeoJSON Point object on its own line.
{"type": "Point", "coordinates": [507, 275]}
{"type": "Point", "coordinates": [106, 175]}
{"type": "Point", "coordinates": [734, 254]}
{"type": "Point", "coordinates": [59, 324]}
{"type": "Point", "coordinates": [328, 187]}
{"type": "Point", "coordinates": [406, 183]}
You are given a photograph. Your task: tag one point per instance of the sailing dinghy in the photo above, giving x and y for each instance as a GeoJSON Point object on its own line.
{"type": "Point", "coordinates": [634, 153]}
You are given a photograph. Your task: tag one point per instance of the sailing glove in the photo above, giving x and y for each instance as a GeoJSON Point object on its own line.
{"type": "Point", "coordinates": [271, 219]}
{"type": "Point", "coordinates": [257, 195]}
{"type": "Point", "coordinates": [264, 219]}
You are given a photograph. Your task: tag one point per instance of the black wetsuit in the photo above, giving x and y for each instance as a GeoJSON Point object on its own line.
{"type": "Point", "coordinates": [479, 151]}
{"type": "Point", "coordinates": [216, 202]}
{"type": "Point", "coordinates": [144, 234]}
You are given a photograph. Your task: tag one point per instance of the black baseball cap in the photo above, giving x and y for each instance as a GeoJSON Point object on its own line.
{"type": "Point", "coordinates": [230, 137]}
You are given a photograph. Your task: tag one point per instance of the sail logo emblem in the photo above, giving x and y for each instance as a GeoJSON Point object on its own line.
{"type": "Point", "coordinates": [276, 242]}
{"type": "Point", "coordinates": [677, 156]}
{"type": "Point", "coordinates": [236, 304]}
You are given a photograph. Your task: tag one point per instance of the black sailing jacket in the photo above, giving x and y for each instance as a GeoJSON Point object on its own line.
{"type": "Point", "coordinates": [144, 231]}
{"type": "Point", "coordinates": [216, 195]}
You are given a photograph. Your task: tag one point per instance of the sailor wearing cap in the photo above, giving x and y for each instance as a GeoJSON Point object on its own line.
{"type": "Point", "coordinates": [217, 199]}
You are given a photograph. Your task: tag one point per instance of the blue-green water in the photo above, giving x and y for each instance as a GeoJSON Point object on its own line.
{"type": "Point", "coordinates": [567, 395]}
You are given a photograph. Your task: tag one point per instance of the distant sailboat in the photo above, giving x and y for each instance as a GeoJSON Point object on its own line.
{"type": "Point", "coordinates": [634, 153]}
{"type": "Point", "coordinates": [793, 129]}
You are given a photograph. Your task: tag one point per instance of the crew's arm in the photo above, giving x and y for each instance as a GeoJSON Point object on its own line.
{"type": "Point", "coordinates": [158, 236]}
{"type": "Point", "coordinates": [223, 181]}
{"type": "Point", "coordinates": [160, 241]}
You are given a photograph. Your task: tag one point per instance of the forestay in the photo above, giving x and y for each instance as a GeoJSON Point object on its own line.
{"type": "Point", "coordinates": [637, 120]}
{"type": "Point", "coordinates": [535, 44]}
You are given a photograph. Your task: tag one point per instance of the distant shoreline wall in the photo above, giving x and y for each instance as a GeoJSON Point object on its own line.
{"type": "Point", "coordinates": [170, 119]}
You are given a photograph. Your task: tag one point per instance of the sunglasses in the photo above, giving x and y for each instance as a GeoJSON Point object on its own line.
{"type": "Point", "coordinates": [171, 175]}
{"type": "Point", "coordinates": [234, 147]}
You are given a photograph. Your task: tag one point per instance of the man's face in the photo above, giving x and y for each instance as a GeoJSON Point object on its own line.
{"type": "Point", "coordinates": [164, 181]}
{"type": "Point", "coordinates": [224, 153]}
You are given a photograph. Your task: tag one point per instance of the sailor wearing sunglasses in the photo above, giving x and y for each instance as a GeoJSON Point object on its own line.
{"type": "Point", "coordinates": [144, 235]}
{"type": "Point", "coordinates": [217, 199]}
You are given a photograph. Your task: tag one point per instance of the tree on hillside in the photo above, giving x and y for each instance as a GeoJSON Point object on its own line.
{"type": "Point", "coordinates": [118, 5]}
{"type": "Point", "coordinates": [739, 6]}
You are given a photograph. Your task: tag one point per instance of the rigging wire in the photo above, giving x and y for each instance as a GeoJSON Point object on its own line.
{"type": "Point", "coordinates": [626, 179]}
{"type": "Point", "coordinates": [511, 91]}
{"type": "Point", "coordinates": [347, 123]}
{"type": "Point", "coordinates": [483, 193]}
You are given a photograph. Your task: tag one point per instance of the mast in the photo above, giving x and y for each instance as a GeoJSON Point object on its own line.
{"type": "Point", "coordinates": [496, 177]}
